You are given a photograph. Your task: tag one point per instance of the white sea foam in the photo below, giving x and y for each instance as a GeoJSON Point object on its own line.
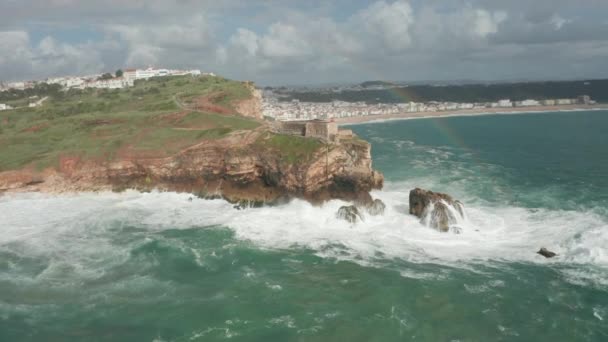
{"type": "Point", "coordinates": [75, 232]}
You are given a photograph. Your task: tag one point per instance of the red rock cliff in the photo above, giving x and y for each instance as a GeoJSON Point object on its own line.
{"type": "Point", "coordinates": [236, 167]}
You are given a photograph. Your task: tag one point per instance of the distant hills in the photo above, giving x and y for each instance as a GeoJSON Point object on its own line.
{"type": "Point", "coordinates": [389, 92]}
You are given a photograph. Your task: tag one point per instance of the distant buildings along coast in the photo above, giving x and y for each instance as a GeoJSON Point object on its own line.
{"type": "Point", "coordinates": [274, 108]}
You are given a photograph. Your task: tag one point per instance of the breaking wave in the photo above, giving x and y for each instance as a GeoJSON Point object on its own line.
{"type": "Point", "coordinates": [79, 233]}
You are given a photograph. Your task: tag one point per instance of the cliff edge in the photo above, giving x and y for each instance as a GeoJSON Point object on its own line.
{"type": "Point", "coordinates": [202, 136]}
{"type": "Point", "coordinates": [244, 166]}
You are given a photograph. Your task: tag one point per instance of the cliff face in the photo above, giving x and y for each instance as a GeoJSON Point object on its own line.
{"type": "Point", "coordinates": [235, 167]}
{"type": "Point", "coordinates": [251, 107]}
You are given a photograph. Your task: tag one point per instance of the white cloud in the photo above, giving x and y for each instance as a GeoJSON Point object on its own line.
{"type": "Point", "coordinates": [153, 43]}
{"type": "Point", "coordinates": [247, 40]}
{"type": "Point", "coordinates": [20, 58]}
{"type": "Point", "coordinates": [278, 41]}
{"type": "Point", "coordinates": [558, 22]}
{"type": "Point", "coordinates": [389, 22]}
{"type": "Point", "coordinates": [463, 29]}
{"type": "Point", "coordinates": [484, 22]}
{"type": "Point", "coordinates": [191, 33]}
{"type": "Point", "coordinates": [13, 46]}
{"type": "Point", "coordinates": [284, 41]}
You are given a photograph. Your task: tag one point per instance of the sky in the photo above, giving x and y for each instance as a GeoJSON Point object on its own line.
{"type": "Point", "coordinates": [296, 42]}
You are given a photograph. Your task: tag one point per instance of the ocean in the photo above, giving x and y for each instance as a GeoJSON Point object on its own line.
{"type": "Point", "coordinates": [158, 267]}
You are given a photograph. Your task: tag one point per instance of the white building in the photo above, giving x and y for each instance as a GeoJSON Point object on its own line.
{"type": "Point", "coordinates": [74, 82]}
{"type": "Point", "coordinates": [139, 74]}
{"type": "Point", "coordinates": [549, 102]}
{"type": "Point", "coordinates": [527, 103]}
{"type": "Point", "coordinates": [564, 101]}
{"type": "Point", "coordinates": [130, 74]}
{"type": "Point", "coordinates": [113, 83]}
{"type": "Point", "coordinates": [17, 85]}
{"type": "Point", "coordinates": [5, 106]}
{"type": "Point", "coordinates": [145, 73]}
{"type": "Point", "coordinates": [505, 103]}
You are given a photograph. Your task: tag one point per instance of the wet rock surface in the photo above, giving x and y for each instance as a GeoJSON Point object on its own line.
{"type": "Point", "coordinates": [376, 208]}
{"type": "Point", "coordinates": [436, 210]}
{"type": "Point", "coordinates": [546, 253]}
{"type": "Point", "coordinates": [349, 213]}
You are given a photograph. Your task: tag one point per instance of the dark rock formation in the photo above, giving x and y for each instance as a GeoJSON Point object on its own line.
{"type": "Point", "coordinates": [546, 253]}
{"type": "Point", "coordinates": [349, 213]}
{"type": "Point", "coordinates": [376, 208]}
{"type": "Point", "coordinates": [433, 208]}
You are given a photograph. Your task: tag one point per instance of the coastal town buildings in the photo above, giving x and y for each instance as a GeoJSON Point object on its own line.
{"type": "Point", "coordinates": [296, 110]}
{"type": "Point", "coordinates": [564, 101]}
{"type": "Point", "coordinates": [527, 103]}
{"type": "Point", "coordinates": [548, 102]}
{"type": "Point", "coordinates": [584, 99]}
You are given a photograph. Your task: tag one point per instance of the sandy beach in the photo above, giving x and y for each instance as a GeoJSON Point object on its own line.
{"type": "Point", "coordinates": [469, 112]}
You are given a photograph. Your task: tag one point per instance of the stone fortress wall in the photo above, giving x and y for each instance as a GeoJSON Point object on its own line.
{"type": "Point", "coordinates": [325, 130]}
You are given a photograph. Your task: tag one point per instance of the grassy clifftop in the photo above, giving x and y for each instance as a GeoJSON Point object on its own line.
{"type": "Point", "coordinates": [155, 118]}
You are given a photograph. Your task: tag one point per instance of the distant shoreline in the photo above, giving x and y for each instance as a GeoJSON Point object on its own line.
{"type": "Point", "coordinates": [467, 112]}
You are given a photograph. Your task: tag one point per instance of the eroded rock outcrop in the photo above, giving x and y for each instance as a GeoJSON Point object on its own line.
{"type": "Point", "coordinates": [546, 253]}
{"type": "Point", "coordinates": [376, 208]}
{"type": "Point", "coordinates": [349, 213]}
{"type": "Point", "coordinates": [252, 106]}
{"type": "Point", "coordinates": [436, 210]}
{"type": "Point", "coordinates": [237, 168]}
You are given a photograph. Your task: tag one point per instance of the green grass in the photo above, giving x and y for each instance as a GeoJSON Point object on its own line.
{"type": "Point", "coordinates": [209, 120]}
{"type": "Point", "coordinates": [98, 124]}
{"type": "Point", "coordinates": [292, 149]}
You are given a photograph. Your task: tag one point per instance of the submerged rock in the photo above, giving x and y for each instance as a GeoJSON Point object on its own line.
{"type": "Point", "coordinates": [435, 209]}
{"type": "Point", "coordinates": [376, 208]}
{"type": "Point", "coordinates": [546, 253]}
{"type": "Point", "coordinates": [349, 213]}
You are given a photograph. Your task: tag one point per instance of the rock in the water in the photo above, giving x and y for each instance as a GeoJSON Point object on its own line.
{"type": "Point", "coordinates": [546, 253]}
{"type": "Point", "coordinates": [244, 204]}
{"type": "Point", "coordinates": [435, 209]}
{"type": "Point", "coordinates": [349, 213]}
{"type": "Point", "coordinates": [376, 208]}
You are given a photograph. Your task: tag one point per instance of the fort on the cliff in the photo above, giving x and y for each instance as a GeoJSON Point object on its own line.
{"type": "Point", "coordinates": [326, 130]}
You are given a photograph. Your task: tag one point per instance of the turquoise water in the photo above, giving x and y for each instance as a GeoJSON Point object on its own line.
{"type": "Point", "coordinates": [157, 267]}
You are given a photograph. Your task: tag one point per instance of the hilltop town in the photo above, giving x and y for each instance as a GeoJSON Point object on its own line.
{"type": "Point", "coordinates": [120, 79]}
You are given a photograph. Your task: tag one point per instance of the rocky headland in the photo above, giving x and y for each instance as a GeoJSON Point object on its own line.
{"type": "Point", "coordinates": [239, 167]}
{"type": "Point", "coordinates": [232, 153]}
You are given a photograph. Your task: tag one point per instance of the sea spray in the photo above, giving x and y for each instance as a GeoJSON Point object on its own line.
{"type": "Point", "coordinates": [488, 233]}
